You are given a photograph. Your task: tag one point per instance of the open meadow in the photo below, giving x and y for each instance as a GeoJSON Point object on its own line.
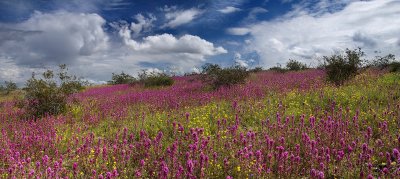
{"type": "Point", "coordinates": [287, 125]}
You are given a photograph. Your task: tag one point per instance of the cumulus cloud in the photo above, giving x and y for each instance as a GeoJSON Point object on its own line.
{"type": "Point", "coordinates": [80, 41]}
{"type": "Point", "coordinates": [54, 38]}
{"type": "Point", "coordinates": [177, 18]}
{"type": "Point", "coordinates": [229, 9]}
{"type": "Point", "coordinates": [238, 31]}
{"type": "Point", "coordinates": [143, 24]}
{"type": "Point", "coordinates": [305, 33]}
{"type": "Point", "coordinates": [189, 46]}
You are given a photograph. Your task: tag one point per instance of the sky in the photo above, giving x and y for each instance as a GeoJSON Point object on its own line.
{"type": "Point", "coordinates": [99, 37]}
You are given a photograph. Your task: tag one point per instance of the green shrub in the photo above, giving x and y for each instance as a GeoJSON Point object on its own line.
{"type": "Point", "coordinates": [155, 79]}
{"type": "Point", "coordinates": [278, 69]}
{"type": "Point", "coordinates": [8, 88]}
{"type": "Point", "coordinates": [122, 78]}
{"type": "Point", "coordinates": [294, 65]}
{"type": "Point", "coordinates": [382, 62]}
{"type": "Point", "coordinates": [342, 67]}
{"type": "Point", "coordinates": [256, 70]}
{"type": "Point", "coordinates": [48, 95]}
{"type": "Point", "coordinates": [394, 67]}
{"type": "Point", "coordinates": [217, 77]}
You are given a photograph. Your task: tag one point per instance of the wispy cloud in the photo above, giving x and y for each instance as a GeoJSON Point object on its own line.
{"type": "Point", "coordinates": [306, 32]}
{"type": "Point", "coordinates": [229, 9]}
{"type": "Point", "coordinates": [238, 31]}
{"type": "Point", "coordinates": [177, 18]}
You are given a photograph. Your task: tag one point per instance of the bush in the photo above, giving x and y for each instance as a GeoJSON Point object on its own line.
{"type": "Point", "coordinates": [48, 95]}
{"type": "Point", "coordinates": [217, 76]}
{"type": "Point", "coordinates": [122, 78]}
{"type": "Point", "coordinates": [294, 65]}
{"type": "Point", "coordinates": [383, 62]}
{"type": "Point", "coordinates": [256, 70]}
{"type": "Point", "coordinates": [394, 67]}
{"type": "Point", "coordinates": [342, 67]}
{"type": "Point", "coordinates": [386, 62]}
{"type": "Point", "coordinates": [154, 79]}
{"type": "Point", "coordinates": [8, 88]}
{"type": "Point", "coordinates": [278, 69]}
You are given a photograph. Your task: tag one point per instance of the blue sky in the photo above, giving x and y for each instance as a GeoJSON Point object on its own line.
{"type": "Point", "coordinates": [96, 38]}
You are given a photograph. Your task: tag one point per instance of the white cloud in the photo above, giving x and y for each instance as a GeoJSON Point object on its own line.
{"type": "Point", "coordinates": [306, 33]}
{"type": "Point", "coordinates": [177, 18]}
{"type": "Point", "coordinates": [229, 9]}
{"type": "Point", "coordinates": [80, 41]}
{"type": "Point", "coordinates": [167, 43]}
{"type": "Point", "coordinates": [143, 24]}
{"type": "Point", "coordinates": [238, 31]}
{"type": "Point", "coordinates": [58, 38]}
{"type": "Point", "coordinates": [254, 12]}
{"type": "Point", "coordinates": [239, 61]}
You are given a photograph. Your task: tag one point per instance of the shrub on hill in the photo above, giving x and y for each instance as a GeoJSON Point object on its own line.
{"type": "Point", "coordinates": [217, 77]}
{"type": "Point", "coordinates": [342, 67]}
{"type": "Point", "coordinates": [386, 62]}
{"type": "Point", "coordinates": [294, 65]}
{"type": "Point", "coordinates": [256, 70]}
{"type": "Point", "coordinates": [8, 88]}
{"type": "Point", "coordinates": [154, 79]}
{"type": "Point", "coordinates": [48, 94]}
{"type": "Point", "coordinates": [121, 78]}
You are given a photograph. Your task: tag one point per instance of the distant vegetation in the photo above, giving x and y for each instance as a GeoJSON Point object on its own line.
{"type": "Point", "coordinates": [217, 77]}
{"type": "Point", "coordinates": [154, 79]}
{"type": "Point", "coordinates": [8, 88]}
{"type": "Point", "coordinates": [121, 78]}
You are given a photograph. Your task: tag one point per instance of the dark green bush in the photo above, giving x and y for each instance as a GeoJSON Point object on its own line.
{"type": "Point", "coordinates": [8, 88]}
{"type": "Point", "coordinates": [278, 69]}
{"type": "Point", "coordinates": [394, 67]}
{"type": "Point", "coordinates": [342, 67]}
{"type": "Point", "coordinates": [256, 70]}
{"type": "Point", "coordinates": [294, 65]}
{"type": "Point", "coordinates": [48, 95]}
{"type": "Point", "coordinates": [155, 79]}
{"type": "Point", "coordinates": [122, 78]}
{"type": "Point", "coordinates": [217, 77]}
{"type": "Point", "coordinates": [382, 62]}
{"type": "Point", "coordinates": [386, 62]}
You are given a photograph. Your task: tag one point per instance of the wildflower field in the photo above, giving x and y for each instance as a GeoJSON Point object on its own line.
{"type": "Point", "coordinates": [276, 125]}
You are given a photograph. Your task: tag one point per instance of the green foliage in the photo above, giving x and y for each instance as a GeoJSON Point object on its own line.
{"type": "Point", "coordinates": [256, 70]}
{"type": "Point", "coordinates": [394, 67]}
{"type": "Point", "coordinates": [154, 79]}
{"type": "Point", "coordinates": [386, 62]}
{"type": "Point", "coordinates": [383, 62]}
{"type": "Point", "coordinates": [217, 76]}
{"type": "Point", "coordinates": [8, 88]}
{"type": "Point", "coordinates": [122, 78]}
{"type": "Point", "coordinates": [342, 67]}
{"type": "Point", "coordinates": [278, 69]}
{"type": "Point", "coordinates": [294, 65]}
{"type": "Point", "coordinates": [48, 95]}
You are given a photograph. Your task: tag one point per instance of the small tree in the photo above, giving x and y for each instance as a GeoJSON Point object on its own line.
{"type": "Point", "coordinates": [218, 77]}
{"type": "Point", "coordinates": [294, 65]}
{"type": "Point", "coordinates": [8, 88]}
{"type": "Point", "coordinates": [48, 95]}
{"type": "Point", "coordinates": [342, 67]}
{"type": "Point", "coordinates": [154, 79]}
{"type": "Point", "coordinates": [122, 78]}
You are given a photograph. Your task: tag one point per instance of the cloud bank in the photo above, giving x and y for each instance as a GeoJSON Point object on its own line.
{"type": "Point", "coordinates": [306, 33]}
{"type": "Point", "coordinates": [81, 41]}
